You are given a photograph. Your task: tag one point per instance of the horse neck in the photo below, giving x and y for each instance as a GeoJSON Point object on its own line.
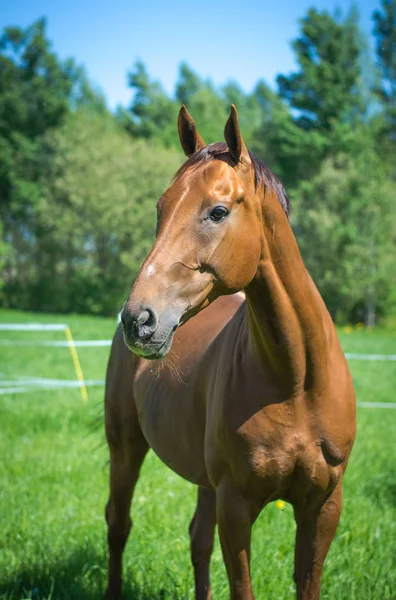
{"type": "Point", "coordinates": [289, 325]}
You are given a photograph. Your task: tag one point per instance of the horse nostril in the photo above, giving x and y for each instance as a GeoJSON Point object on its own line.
{"type": "Point", "coordinates": [144, 323]}
{"type": "Point", "coordinates": [140, 324]}
{"type": "Point", "coordinates": [147, 321]}
{"type": "Point", "coordinates": [143, 318]}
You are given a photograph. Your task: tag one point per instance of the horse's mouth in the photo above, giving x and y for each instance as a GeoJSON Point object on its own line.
{"type": "Point", "coordinates": [149, 350]}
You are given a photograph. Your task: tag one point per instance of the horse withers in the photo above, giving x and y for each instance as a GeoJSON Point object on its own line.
{"type": "Point", "coordinates": [251, 400]}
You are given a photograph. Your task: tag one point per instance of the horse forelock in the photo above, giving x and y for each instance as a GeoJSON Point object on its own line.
{"type": "Point", "coordinates": [262, 174]}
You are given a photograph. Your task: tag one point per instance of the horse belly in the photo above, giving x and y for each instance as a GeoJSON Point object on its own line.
{"type": "Point", "coordinates": [171, 399]}
{"type": "Point", "coordinates": [173, 422]}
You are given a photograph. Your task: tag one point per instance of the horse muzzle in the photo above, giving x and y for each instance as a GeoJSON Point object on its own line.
{"type": "Point", "coordinates": [145, 333]}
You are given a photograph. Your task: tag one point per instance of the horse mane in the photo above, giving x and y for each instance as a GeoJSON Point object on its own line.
{"type": "Point", "coordinates": [262, 174]}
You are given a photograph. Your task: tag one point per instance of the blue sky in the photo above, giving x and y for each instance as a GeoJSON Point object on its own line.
{"type": "Point", "coordinates": [218, 39]}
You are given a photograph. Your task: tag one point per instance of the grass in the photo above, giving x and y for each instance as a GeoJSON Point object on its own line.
{"type": "Point", "coordinates": [53, 488]}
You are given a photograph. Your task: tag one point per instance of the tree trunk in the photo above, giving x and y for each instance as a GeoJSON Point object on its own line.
{"type": "Point", "coordinates": [369, 309]}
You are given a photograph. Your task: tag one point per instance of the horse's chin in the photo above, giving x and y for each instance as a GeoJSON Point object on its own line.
{"type": "Point", "coordinates": [151, 351]}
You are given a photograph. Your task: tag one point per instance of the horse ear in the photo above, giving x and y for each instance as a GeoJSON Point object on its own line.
{"type": "Point", "coordinates": [190, 139]}
{"type": "Point", "coordinates": [233, 137]}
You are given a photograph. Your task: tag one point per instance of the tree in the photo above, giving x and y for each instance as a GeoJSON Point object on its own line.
{"type": "Point", "coordinates": [95, 217]}
{"type": "Point", "coordinates": [78, 186]}
{"type": "Point", "coordinates": [326, 87]}
{"type": "Point", "coordinates": [152, 115]}
{"type": "Point", "coordinates": [324, 91]}
{"type": "Point", "coordinates": [385, 33]}
{"type": "Point", "coordinates": [345, 221]}
{"type": "Point", "coordinates": [34, 96]}
{"type": "Point", "coordinates": [37, 91]}
{"type": "Point", "coordinates": [187, 85]}
{"type": "Point", "coordinates": [291, 152]}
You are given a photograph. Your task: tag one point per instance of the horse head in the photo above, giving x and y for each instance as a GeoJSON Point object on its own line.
{"type": "Point", "coordinates": [208, 239]}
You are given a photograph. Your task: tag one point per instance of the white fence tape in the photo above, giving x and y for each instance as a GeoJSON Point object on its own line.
{"type": "Point", "coordinates": [377, 404]}
{"type": "Point", "coordinates": [107, 343]}
{"type": "Point", "coordinates": [40, 384]}
{"type": "Point", "coordinates": [59, 344]}
{"type": "Point", "coordinates": [70, 343]}
{"type": "Point", "coordinates": [43, 382]}
{"type": "Point", "coordinates": [23, 384]}
{"type": "Point", "coordinates": [31, 384]}
{"type": "Point", "coordinates": [32, 327]}
{"type": "Point", "coordinates": [352, 356]}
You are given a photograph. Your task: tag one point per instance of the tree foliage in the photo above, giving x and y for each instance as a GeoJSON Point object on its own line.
{"type": "Point", "coordinates": [79, 185]}
{"type": "Point", "coordinates": [345, 222]}
{"type": "Point", "coordinates": [95, 217]}
{"type": "Point", "coordinates": [385, 33]}
{"type": "Point", "coordinates": [325, 88]}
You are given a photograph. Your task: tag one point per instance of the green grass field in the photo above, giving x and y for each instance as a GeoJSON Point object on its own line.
{"type": "Point", "coordinates": [53, 488]}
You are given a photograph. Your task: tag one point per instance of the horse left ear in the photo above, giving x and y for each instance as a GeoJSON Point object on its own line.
{"type": "Point", "coordinates": [190, 139]}
{"type": "Point", "coordinates": [232, 134]}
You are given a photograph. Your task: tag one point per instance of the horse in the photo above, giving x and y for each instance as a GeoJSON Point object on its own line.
{"type": "Point", "coordinates": [251, 399]}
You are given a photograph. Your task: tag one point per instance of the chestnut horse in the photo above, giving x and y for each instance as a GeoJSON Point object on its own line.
{"type": "Point", "coordinates": [255, 401]}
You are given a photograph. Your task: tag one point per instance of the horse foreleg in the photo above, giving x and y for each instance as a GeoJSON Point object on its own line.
{"type": "Point", "coordinates": [315, 532]}
{"type": "Point", "coordinates": [235, 517]}
{"type": "Point", "coordinates": [124, 472]}
{"type": "Point", "coordinates": [201, 531]}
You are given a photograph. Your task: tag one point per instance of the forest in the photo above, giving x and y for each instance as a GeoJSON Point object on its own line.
{"type": "Point", "coordinates": [79, 183]}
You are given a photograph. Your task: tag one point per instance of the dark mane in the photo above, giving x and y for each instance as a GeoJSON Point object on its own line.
{"type": "Point", "coordinates": [262, 174]}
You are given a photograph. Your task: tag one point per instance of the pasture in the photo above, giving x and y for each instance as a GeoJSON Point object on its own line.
{"type": "Point", "coordinates": [53, 488]}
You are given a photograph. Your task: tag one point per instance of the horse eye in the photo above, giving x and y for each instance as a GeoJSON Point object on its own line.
{"type": "Point", "coordinates": [218, 214]}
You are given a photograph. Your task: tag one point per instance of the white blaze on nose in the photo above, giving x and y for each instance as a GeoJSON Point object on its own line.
{"type": "Point", "coordinates": [150, 271]}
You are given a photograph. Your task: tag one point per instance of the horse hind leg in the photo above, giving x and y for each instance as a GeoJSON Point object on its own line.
{"type": "Point", "coordinates": [202, 528]}
{"type": "Point", "coordinates": [315, 532]}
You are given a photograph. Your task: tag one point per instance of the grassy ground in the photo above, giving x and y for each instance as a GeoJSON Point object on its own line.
{"type": "Point", "coordinates": [53, 487]}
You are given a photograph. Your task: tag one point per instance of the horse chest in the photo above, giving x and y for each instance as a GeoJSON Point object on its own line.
{"type": "Point", "coordinates": [251, 444]}
{"type": "Point", "coordinates": [269, 456]}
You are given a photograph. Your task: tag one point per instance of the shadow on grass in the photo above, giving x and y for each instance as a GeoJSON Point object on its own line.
{"type": "Point", "coordinates": [83, 576]}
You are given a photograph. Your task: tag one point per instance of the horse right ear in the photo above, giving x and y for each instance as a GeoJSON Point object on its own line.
{"type": "Point", "coordinates": [190, 139]}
